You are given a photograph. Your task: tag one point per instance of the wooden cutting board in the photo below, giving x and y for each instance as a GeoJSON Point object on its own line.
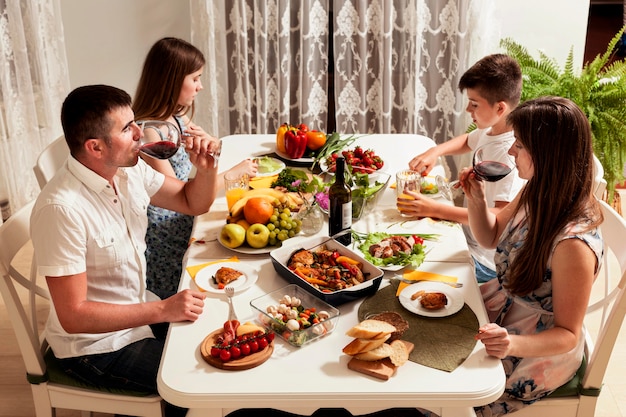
{"type": "Point", "coordinates": [239, 364]}
{"type": "Point", "coordinates": [382, 369]}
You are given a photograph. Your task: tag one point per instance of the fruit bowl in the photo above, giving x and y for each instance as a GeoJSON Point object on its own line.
{"type": "Point", "coordinates": [302, 336]}
{"type": "Point", "coordinates": [280, 258]}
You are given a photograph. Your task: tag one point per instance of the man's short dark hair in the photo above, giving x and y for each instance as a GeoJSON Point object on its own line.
{"type": "Point", "coordinates": [496, 77]}
{"type": "Point", "coordinates": [85, 113]}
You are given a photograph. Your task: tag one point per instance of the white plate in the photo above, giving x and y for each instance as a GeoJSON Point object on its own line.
{"type": "Point", "coordinates": [204, 278]}
{"type": "Point", "coordinates": [283, 155]}
{"type": "Point", "coordinates": [455, 299]}
{"type": "Point", "coordinates": [248, 250]}
{"type": "Point", "coordinates": [274, 172]}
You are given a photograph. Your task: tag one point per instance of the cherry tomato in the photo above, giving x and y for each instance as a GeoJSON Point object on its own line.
{"type": "Point", "coordinates": [245, 349]}
{"type": "Point", "coordinates": [254, 346]}
{"type": "Point", "coordinates": [262, 342]}
{"type": "Point", "coordinates": [235, 352]}
{"type": "Point", "coordinates": [270, 336]}
{"type": "Point", "coordinates": [215, 352]}
{"type": "Point", "coordinates": [225, 355]}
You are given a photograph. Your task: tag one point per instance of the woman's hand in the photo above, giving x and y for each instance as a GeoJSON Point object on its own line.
{"type": "Point", "coordinates": [496, 340]}
{"type": "Point", "coordinates": [473, 188]}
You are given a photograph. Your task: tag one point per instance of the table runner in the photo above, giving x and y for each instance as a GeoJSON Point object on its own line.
{"type": "Point", "coordinates": [440, 342]}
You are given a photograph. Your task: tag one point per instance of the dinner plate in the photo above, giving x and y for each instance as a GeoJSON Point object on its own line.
{"type": "Point", "coordinates": [248, 250]}
{"type": "Point", "coordinates": [304, 160]}
{"type": "Point", "coordinates": [455, 299]}
{"type": "Point", "coordinates": [204, 277]}
{"type": "Point", "coordinates": [355, 247]}
{"type": "Point", "coordinates": [281, 166]}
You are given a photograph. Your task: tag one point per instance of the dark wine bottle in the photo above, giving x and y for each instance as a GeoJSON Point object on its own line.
{"type": "Point", "coordinates": [340, 205]}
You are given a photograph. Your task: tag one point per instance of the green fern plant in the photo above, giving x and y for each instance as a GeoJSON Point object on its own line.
{"type": "Point", "coordinates": [599, 89]}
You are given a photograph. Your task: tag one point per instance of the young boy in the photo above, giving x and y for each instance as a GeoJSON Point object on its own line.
{"type": "Point", "coordinates": [493, 86]}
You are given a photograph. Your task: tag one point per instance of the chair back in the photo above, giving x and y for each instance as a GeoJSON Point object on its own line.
{"type": "Point", "coordinates": [599, 183]}
{"type": "Point", "coordinates": [50, 160]}
{"type": "Point", "coordinates": [50, 386]}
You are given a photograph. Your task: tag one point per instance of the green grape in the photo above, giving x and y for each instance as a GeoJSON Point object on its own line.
{"type": "Point", "coordinates": [288, 225]}
{"type": "Point", "coordinates": [292, 233]}
{"type": "Point", "coordinates": [272, 241]}
{"type": "Point", "coordinates": [277, 223]}
{"type": "Point", "coordinates": [297, 229]}
{"type": "Point", "coordinates": [271, 226]}
{"type": "Point", "coordinates": [274, 217]}
{"type": "Point", "coordinates": [283, 224]}
{"type": "Point", "coordinates": [273, 234]}
{"type": "Point", "coordinates": [284, 216]}
{"type": "Point", "coordinates": [287, 211]}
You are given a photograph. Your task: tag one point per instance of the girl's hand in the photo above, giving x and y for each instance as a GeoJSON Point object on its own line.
{"type": "Point", "coordinates": [247, 166]}
{"type": "Point", "coordinates": [201, 146]}
{"type": "Point", "coordinates": [496, 340]}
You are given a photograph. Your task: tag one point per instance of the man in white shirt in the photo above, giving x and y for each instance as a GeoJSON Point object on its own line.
{"type": "Point", "coordinates": [88, 228]}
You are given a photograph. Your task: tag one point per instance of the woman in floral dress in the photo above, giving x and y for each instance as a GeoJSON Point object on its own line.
{"type": "Point", "coordinates": [548, 253]}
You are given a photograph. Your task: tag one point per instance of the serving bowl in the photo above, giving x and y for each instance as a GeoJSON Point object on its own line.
{"type": "Point", "coordinates": [362, 203]}
{"type": "Point", "coordinates": [374, 275]}
{"type": "Point", "coordinates": [298, 338]}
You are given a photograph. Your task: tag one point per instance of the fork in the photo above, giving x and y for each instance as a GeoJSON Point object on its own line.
{"type": "Point", "coordinates": [413, 281]}
{"type": "Point", "coordinates": [230, 292]}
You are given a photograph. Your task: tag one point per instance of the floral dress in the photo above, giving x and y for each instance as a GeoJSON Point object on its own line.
{"type": "Point", "coordinates": [168, 235]}
{"type": "Point", "coordinates": [530, 379]}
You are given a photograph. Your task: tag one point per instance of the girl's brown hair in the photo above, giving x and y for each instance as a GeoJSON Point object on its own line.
{"type": "Point", "coordinates": [557, 135]}
{"type": "Point", "coordinates": [167, 64]}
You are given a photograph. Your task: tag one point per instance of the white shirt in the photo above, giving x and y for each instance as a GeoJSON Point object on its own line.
{"type": "Point", "coordinates": [79, 223]}
{"type": "Point", "coordinates": [504, 190]}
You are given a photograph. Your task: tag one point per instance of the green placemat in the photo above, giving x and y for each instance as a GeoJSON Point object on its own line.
{"type": "Point", "coordinates": [441, 343]}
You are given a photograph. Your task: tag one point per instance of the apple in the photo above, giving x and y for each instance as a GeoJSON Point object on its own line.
{"type": "Point", "coordinates": [258, 235]}
{"type": "Point", "coordinates": [233, 235]}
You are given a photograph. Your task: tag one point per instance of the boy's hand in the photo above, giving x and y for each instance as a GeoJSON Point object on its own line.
{"type": "Point", "coordinates": [424, 163]}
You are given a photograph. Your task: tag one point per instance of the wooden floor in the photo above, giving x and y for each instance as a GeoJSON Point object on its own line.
{"type": "Point", "coordinates": [15, 395]}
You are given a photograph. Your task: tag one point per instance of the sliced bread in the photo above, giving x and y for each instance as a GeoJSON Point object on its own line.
{"type": "Point", "coordinates": [363, 345]}
{"type": "Point", "coordinates": [399, 353]}
{"type": "Point", "coordinates": [371, 329]}
{"type": "Point", "coordinates": [381, 352]}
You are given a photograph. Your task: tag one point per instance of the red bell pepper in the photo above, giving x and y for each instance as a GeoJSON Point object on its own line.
{"type": "Point", "coordinates": [295, 143]}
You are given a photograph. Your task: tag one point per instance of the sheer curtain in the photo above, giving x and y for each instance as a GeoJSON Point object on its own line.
{"type": "Point", "coordinates": [33, 82]}
{"type": "Point", "coordinates": [395, 64]}
{"type": "Point", "coordinates": [267, 63]}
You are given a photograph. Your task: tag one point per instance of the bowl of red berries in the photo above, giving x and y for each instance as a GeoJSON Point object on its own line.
{"type": "Point", "coordinates": [359, 160]}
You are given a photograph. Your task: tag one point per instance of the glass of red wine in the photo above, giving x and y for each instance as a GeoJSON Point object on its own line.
{"type": "Point", "coordinates": [491, 162]}
{"type": "Point", "coordinates": [161, 140]}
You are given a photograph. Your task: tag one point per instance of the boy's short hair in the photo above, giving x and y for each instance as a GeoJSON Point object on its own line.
{"type": "Point", "coordinates": [497, 77]}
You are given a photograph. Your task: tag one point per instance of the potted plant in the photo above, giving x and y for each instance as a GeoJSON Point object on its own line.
{"type": "Point", "coordinates": [600, 91]}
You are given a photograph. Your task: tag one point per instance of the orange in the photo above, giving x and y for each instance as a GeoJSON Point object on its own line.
{"type": "Point", "coordinates": [258, 210]}
{"type": "Point", "coordinates": [315, 140]}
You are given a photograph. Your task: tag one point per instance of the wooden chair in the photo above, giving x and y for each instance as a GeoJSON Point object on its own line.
{"type": "Point", "coordinates": [599, 183]}
{"type": "Point", "coordinates": [50, 160]}
{"type": "Point", "coordinates": [51, 387]}
{"type": "Point", "coordinates": [578, 398]}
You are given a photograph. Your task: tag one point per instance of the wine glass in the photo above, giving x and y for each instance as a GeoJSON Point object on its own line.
{"type": "Point", "coordinates": [491, 162]}
{"type": "Point", "coordinates": [161, 140]}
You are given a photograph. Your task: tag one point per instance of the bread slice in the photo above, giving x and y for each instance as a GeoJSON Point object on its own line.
{"type": "Point", "coordinates": [381, 352]}
{"type": "Point", "coordinates": [395, 320]}
{"type": "Point", "coordinates": [399, 353]}
{"type": "Point", "coordinates": [371, 329]}
{"type": "Point", "coordinates": [363, 345]}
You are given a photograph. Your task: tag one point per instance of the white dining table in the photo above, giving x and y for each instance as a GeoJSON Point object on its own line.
{"type": "Point", "coordinates": [303, 379]}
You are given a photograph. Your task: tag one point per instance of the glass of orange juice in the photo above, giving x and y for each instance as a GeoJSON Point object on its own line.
{"type": "Point", "coordinates": [407, 180]}
{"type": "Point", "coordinates": [234, 187]}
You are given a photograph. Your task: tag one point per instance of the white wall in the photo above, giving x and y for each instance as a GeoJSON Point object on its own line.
{"type": "Point", "coordinates": [107, 39]}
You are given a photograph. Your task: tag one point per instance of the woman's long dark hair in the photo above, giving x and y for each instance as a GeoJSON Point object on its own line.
{"type": "Point", "coordinates": [557, 135]}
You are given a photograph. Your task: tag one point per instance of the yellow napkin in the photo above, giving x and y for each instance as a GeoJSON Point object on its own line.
{"type": "Point", "coordinates": [417, 276]}
{"type": "Point", "coordinates": [262, 182]}
{"type": "Point", "coordinates": [194, 269]}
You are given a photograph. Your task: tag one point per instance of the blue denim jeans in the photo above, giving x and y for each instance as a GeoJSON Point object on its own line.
{"type": "Point", "coordinates": [483, 273]}
{"type": "Point", "coordinates": [134, 367]}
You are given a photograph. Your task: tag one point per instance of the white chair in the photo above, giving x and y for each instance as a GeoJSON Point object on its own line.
{"type": "Point", "coordinates": [599, 183]}
{"type": "Point", "coordinates": [50, 160]}
{"type": "Point", "coordinates": [578, 398]}
{"type": "Point", "coordinates": [50, 386]}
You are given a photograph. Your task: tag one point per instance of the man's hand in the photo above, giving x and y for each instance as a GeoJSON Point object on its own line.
{"type": "Point", "coordinates": [186, 305]}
